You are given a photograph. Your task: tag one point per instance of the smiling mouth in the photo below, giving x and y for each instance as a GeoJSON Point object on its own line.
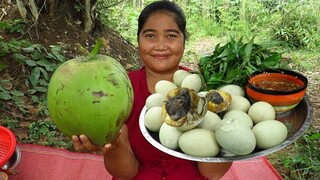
{"type": "Point", "coordinates": [161, 56]}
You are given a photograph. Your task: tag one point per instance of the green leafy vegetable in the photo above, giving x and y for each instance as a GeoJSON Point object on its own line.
{"type": "Point", "coordinates": [236, 60]}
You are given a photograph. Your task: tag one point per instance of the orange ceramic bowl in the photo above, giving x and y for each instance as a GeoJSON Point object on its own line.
{"type": "Point", "coordinates": [282, 88]}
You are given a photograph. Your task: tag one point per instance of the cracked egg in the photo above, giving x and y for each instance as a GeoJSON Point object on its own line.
{"type": "Point", "coordinates": [183, 106]}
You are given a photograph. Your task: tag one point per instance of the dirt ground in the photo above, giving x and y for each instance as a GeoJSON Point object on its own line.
{"type": "Point", "coordinates": [48, 32]}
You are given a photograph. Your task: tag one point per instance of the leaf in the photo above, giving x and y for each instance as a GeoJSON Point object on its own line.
{"type": "Point", "coordinates": [43, 82]}
{"type": "Point", "coordinates": [18, 100]}
{"type": "Point", "coordinates": [17, 93]}
{"type": "Point", "coordinates": [4, 50]}
{"type": "Point", "coordinates": [248, 50]}
{"type": "Point", "coordinates": [233, 74]}
{"type": "Point", "coordinates": [224, 67]}
{"type": "Point", "coordinates": [28, 49]}
{"type": "Point", "coordinates": [250, 69]}
{"type": "Point", "coordinates": [314, 136]}
{"type": "Point", "coordinates": [40, 89]}
{"type": "Point", "coordinates": [206, 75]}
{"type": "Point", "coordinates": [31, 91]}
{"type": "Point", "coordinates": [257, 60]}
{"type": "Point", "coordinates": [46, 64]}
{"type": "Point", "coordinates": [3, 66]}
{"type": "Point", "coordinates": [204, 60]}
{"type": "Point", "coordinates": [217, 49]}
{"type": "Point", "coordinates": [224, 53]}
{"type": "Point", "coordinates": [40, 48]}
{"type": "Point", "coordinates": [34, 77]}
{"type": "Point", "coordinates": [214, 79]}
{"type": "Point", "coordinates": [19, 57]}
{"type": "Point", "coordinates": [45, 73]}
{"type": "Point", "coordinates": [34, 98]}
{"type": "Point", "coordinates": [15, 45]}
{"type": "Point", "coordinates": [236, 60]}
{"type": "Point", "coordinates": [56, 53]}
{"type": "Point", "coordinates": [5, 96]}
{"type": "Point", "coordinates": [57, 56]}
{"type": "Point", "coordinates": [276, 57]}
{"type": "Point", "coordinates": [6, 85]}
{"type": "Point", "coordinates": [31, 63]}
{"type": "Point", "coordinates": [33, 48]}
{"type": "Point", "coordinates": [36, 55]}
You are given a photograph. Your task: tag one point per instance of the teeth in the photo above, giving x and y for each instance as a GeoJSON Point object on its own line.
{"type": "Point", "coordinates": [182, 106]}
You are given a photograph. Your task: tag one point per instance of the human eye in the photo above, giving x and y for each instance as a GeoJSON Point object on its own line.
{"type": "Point", "coordinates": [149, 35]}
{"type": "Point", "coordinates": [172, 36]}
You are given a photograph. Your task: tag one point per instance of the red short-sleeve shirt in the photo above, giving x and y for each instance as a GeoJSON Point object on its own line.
{"type": "Point", "coordinates": [154, 164]}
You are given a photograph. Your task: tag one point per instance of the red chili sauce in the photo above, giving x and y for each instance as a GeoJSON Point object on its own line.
{"type": "Point", "coordinates": [276, 84]}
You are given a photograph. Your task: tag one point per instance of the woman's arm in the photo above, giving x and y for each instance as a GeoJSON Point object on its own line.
{"type": "Point", "coordinates": [119, 159]}
{"type": "Point", "coordinates": [213, 171]}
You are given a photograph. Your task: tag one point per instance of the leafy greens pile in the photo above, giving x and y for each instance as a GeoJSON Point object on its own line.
{"type": "Point", "coordinates": [233, 62]}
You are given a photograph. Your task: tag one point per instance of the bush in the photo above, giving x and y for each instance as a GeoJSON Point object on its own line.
{"type": "Point", "coordinates": [298, 24]}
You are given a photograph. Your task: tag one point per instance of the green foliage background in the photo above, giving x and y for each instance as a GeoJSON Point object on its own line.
{"type": "Point", "coordinates": [294, 22]}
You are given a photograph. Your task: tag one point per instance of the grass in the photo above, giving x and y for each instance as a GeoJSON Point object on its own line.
{"type": "Point", "coordinates": [306, 60]}
{"type": "Point", "coordinates": [300, 160]}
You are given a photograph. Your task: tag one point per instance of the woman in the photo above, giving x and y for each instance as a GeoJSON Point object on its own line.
{"type": "Point", "coordinates": [161, 42]}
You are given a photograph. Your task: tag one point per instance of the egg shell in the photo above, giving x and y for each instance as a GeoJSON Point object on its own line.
{"type": "Point", "coordinates": [199, 142]}
{"type": "Point", "coordinates": [239, 103]}
{"type": "Point", "coordinates": [169, 136]}
{"type": "Point", "coordinates": [153, 119]}
{"type": "Point", "coordinates": [179, 76]}
{"type": "Point", "coordinates": [240, 116]}
{"type": "Point", "coordinates": [192, 81]}
{"type": "Point", "coordinates": [155, 100]}
{"type": "Point", "coordinates": [210, 121]}
{"type": "Point", "coordinates": [235, 137]}
{"type": "Point", "coordinates": [233, 89]}
{"type": "Point", "coordinates": [270, 133]}
{"type": "Point", "coordinates": [261, 111]}
{"type": "Point", "coordinates": [164, 87]}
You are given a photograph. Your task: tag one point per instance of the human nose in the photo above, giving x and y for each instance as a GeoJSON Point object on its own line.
{"type": "Point", "coordinates": [161, 44]}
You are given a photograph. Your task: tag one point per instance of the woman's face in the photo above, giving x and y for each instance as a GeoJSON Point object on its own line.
{"type": "Point", "coordinates": [161, 43]}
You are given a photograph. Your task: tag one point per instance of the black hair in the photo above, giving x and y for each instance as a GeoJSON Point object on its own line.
{"type": "Point", "coordinates": [166, 6]}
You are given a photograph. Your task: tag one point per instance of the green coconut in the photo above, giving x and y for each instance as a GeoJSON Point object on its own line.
{"type": "Point", "coordinates": [90, 95]}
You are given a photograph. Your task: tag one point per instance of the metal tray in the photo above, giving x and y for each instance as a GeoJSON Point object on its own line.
{"type": "Point", "coordinates": [297, 121]}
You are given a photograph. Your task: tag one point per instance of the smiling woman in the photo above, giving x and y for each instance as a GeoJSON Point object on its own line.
{"type": "Point", "coordinates": [161, 43]}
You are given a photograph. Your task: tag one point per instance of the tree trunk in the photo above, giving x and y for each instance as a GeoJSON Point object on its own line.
{"type": "Point", "coordinates": [88, 16]}
{"type": "Point", "coordinates": [31, 9]}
